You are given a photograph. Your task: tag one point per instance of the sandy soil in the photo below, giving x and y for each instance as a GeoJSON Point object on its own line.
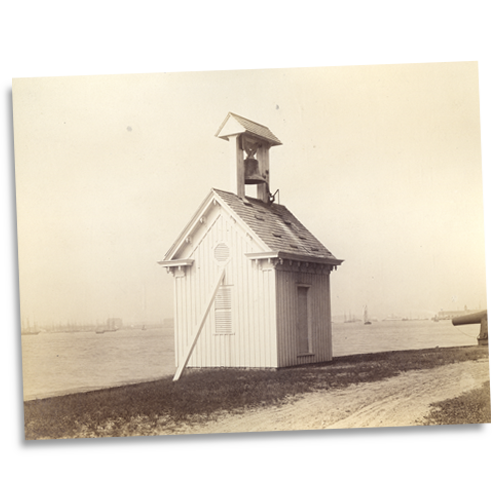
{"type": "Point", "coordinates": [400, 401]}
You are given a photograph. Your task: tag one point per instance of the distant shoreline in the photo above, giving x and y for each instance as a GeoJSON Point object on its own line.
{"type": "Point", "coordinates": [85, 390]}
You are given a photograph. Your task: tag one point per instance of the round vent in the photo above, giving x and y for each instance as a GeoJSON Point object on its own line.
{"type": "Point", "coordinates": [221, 252]}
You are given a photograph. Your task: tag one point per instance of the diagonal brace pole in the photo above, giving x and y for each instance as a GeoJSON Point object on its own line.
{"type": "Point", "coordinates": [199, 327]}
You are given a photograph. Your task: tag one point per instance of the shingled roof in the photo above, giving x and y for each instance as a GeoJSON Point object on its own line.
{"type": "Point", "coordinates": [251, 127]}
{"type": "Point", "coordinates": [279, 229]}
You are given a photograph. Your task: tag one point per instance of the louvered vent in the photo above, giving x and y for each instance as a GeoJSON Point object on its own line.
{"type": "Point", "coordinates": [221, 252]}
{"type": "Point", "coordinates": [223, 299]}
{"type": "Point", "coordinates": [223, 320]}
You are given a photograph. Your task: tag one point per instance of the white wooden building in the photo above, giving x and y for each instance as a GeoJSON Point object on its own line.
{"type": "Point", "coordinates": [252, 284]}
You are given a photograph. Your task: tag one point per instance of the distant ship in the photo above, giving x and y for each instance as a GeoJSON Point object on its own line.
{"type": "Point", "coordinates": [351, 319]}
{"type": "Point", "coordinates": [392, 318]}
{"type": "Point", "coordinates": [104, 330]}
{"type": "Point", "coordinates": [28, 330]}
{"type": "Point", "coordinates": [365, 317]}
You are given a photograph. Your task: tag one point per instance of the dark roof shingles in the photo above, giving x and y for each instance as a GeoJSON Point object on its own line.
{"type": "Point", "coordinates": [278, 228]}
{"type": "Point", "coordinates": [256, 128]}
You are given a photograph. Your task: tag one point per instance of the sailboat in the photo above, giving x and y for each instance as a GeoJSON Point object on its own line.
{"type": "Point", "coordinates": [27, 330]}
{"type": "Point", "coordinates": [352, 319]}
{"type": "Point", "coordinates": [30, 332]}
{"type": "Point", "coordinates": [365, 317]}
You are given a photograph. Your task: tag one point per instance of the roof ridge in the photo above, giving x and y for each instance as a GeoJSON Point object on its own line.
{"type": "Point", "coordinates": [272, 231]}
{"type": "Point", "coordinates": [248, 120]}
{"type": "Point", "coordinates": [250, 127]}
{"type": "Point", "coordinates": [250, 198]}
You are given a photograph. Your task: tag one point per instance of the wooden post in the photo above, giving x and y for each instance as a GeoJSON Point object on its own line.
{"type": "Point", "coordinates": [199, 327]}
{"type": "Point", "coordinates": [263, 158]}
{"type": "Point", "coordinates": [237, 166]}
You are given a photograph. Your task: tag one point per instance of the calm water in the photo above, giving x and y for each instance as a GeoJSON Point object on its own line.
{"type": "Point", "coordinates": [62, 363]}
{"type": "Point", "coordinates": [357, 338]}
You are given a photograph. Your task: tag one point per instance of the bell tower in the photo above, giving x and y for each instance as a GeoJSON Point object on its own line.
{"type": "Point", "coordinates": [250, 143]}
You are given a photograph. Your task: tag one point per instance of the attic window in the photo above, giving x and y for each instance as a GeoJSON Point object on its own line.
{"type": "Point", "coordinates": [294, 246]}
{"type": "Point", "coordinates": [289, 223]}
{"type": "Point", "coordinates": [247, 203]}
{"type": "Point", "coordinates": [258, 217]}
{"type": "Point", "coordinates": [221, 252]}
{"type": "Point", "coordinates": [302, 237]}
{"type": "Point", "coordinates": [314, 249]}
{"type": "Point", "coordinates": [276, 235]}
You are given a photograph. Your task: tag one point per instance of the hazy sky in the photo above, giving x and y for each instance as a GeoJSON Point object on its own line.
{"type": "Point", "coordinates": [381, 163]}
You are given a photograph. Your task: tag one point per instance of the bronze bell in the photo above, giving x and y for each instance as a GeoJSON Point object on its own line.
{"type": "Point", "coordinates": [252, 174]}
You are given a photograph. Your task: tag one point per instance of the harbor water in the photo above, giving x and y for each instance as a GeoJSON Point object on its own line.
{"type": "Point", "coordinates": [381, 336]}
{"type": "Point", "coordinates": [62, 363]}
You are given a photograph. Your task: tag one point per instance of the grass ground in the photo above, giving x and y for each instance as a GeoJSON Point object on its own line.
{"type": "Point", "coordinates": [473, 407]}
{"type": "Point", "coordinates": [201, 394]}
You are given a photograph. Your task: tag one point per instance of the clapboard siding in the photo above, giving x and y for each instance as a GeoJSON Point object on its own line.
{"type": "Point", "coordinates": [252, 342]}
{"type": "Point", "coordinates": [262, 329]}
{"type": "Point", "coordinates": [287, 321]}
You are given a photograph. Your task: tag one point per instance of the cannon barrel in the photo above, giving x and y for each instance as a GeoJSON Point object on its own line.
{"type": "Point", "coordinates": [470, 319]}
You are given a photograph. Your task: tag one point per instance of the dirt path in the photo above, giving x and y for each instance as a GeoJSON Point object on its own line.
{"type": "Point", "coordinates": [400, 401]}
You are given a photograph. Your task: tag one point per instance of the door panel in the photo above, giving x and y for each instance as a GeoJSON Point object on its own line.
{"type": "Point", "coordinates": [302, 320]}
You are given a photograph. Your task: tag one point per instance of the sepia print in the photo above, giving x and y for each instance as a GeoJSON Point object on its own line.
{"type": "Point", "coordinates": [251, 251]}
